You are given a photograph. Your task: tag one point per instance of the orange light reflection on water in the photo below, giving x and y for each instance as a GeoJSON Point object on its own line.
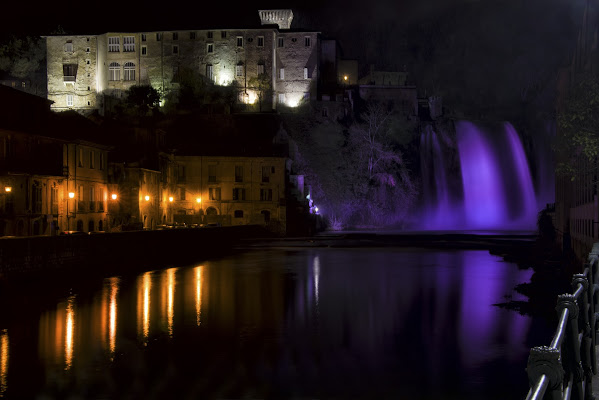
{"type": "Point", "coordinates": [69, 331]}
{"type": "Point", "coordinates": [4, 345]}
{"type": "Point", "coordinates": [199, 273]}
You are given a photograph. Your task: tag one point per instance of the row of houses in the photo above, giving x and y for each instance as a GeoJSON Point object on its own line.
{"type": "Point", "coordinates": [59, 174]}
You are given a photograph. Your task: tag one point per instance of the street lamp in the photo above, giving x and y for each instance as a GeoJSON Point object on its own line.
{"type": "Point", "coordinates": [8, 189]}
{"type": "Point", "coordinates": [71, 195]}
{"type": "Point", "coordinates": [199, 200]}
{"type": "Point", "coordinates": [114, 196]}
{"type": "Point", "coordinates": [170, 199]}
{"type": "Point", "coordinates": [147, 198]}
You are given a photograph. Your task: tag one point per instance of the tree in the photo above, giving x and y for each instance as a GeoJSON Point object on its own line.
{"type": "Point", "coordinates": [577, 123]}
{"type": "Point", "coordinates": [263, 87]}
{"type": "Point", "coordinates": [141, 100]}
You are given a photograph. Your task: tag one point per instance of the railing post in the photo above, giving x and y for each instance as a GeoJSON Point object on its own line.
{"type": "Point", "coordinates": [571, 347]}
{"type": "Point", "coordinates": [545, 360]}
{"type": "Point", "coordinates": [586, 345]}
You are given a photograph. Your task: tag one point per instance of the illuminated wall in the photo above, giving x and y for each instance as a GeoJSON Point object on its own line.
{"type": "Point", "coordinates": [72, 64]}
{"type": "Point", "coordinates": [109, 64]}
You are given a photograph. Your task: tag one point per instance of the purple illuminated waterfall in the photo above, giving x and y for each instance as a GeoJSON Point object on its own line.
{"type": "Point", "coordinates": [487, 186]}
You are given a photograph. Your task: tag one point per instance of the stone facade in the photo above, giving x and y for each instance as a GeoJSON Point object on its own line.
{"type": "Point", "coordinates": [72, 64]}
{"type": "Point", "coordinates": [84, 70]}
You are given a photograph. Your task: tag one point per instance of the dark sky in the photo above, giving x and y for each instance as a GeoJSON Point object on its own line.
{"type": "Point", "coordinates": [483, 46]}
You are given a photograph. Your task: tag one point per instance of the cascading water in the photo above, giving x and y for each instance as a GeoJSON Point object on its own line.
{"type": "Point", "coordinates": [491, 186]}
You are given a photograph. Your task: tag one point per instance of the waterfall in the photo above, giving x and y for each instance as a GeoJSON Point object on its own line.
{"type": "Point", "coordinates": [491, 189]}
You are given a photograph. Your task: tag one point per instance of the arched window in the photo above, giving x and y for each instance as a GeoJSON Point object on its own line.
{"type": "Point", "coordinates": [115, 71]}
{"type": "Point", "coordinates": [129, 71]}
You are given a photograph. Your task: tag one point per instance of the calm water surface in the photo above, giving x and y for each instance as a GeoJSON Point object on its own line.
{"type": "Point", "coordinates": [284, 323]}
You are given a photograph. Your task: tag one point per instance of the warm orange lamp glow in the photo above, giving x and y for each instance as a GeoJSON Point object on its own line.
{"type": "Point", "coordinates": [114, 196]}
{"type": "Point", "coordinates": [170, 199]}
{"type": "Point", "coordinates": [147, 198]}
{"type": "Point", "coordinates": [199, 199]}
{"type": "Point", "coordinates": [8, 189]}
{"type": "Point", "coordinates": [71, 195]}
{"type": "Point", "coordinates": [345, 77]}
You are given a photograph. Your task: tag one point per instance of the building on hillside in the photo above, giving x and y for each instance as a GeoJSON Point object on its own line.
{"type": "Point", "coordinates": [384, 86]}
{"type": "Point", "coordinates": [86, 71]}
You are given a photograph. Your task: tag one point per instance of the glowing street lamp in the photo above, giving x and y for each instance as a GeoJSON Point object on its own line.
{"type": "Point", "coordinates": [71, 195]}
{"type": "Point", "coordinates": [199, 200]}
{"type": "Point", "coordinates": [345, 78]}
{"type": "Point", "coordinates": [147, 198]}
{"type": "Point", "coordinates": [170, 199]}
{"type": "Point", "coordinates": [114, 196]}
{"type": "Point", "coordinates": [8, 189]}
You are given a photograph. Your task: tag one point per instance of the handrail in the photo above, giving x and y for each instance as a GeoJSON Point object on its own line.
{"type": "Point", "coordinates": [565, 369]}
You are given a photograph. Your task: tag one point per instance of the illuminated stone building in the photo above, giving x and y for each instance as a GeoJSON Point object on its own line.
{"type": "Point", "coordinates": [86, 71]}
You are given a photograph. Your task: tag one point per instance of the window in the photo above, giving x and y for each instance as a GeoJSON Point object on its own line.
{"type": "Point", "coordinates": [265, 194]}
{"type": "Point", "coordinates": [143, 37]}
{"type": "Point", "coordinates": [114, 71]}
{"type": "Point", "coordinates": [307, 41]}
{"type": "Point", "coordinates": [210, 47]}
{"type": "Point", "coordinates": [212, 173]}
{"type": "Point", "coordinates": [238, 194]}
{"type": "Point", "coordinates": [69, 100]}
{"type": "Point", "coordinates": [80, 162]}
{"type": "Point", "coordinates": [192, 35]}
{"type": "Point", "coordinates": [114, 44]}
{"type": "Point", "coordinates": [129, 70]}
{"type": "Point", "coordinates": [158, 37]}
{"type": "Point", "coordinates": [68, 47]}
{"type": "Point", "coordinates": [101, 206]}
{"type": "Point", "coordinates": [260, 69]}
{"type": "Point", "coordinates": [36, 199]}
{"type": "Point", "coordinates": [282, 98]}
{"type": "Point", "coordinates": [144, 50]}
{"type": "Point", "coordinates": [92, 159]}
{"type": "Point", "coordinates": [265, 174]}
{"type": "Point", "coordinates": [282, 73]}
{"type": "Point", "coordinates": [54, 200]}
{"type": "Point", "coordinates": [281, 42]}
{"type": "Point", "coordinates": [214, 193]}
{"type": "Point", "coordinates": [92, 199]}
{"type": "Point", "coordinates": [175, 49]}
{"type": "Point", "coordinates": [176, 73]}
{"type": "Point", "coordinates": [175, 35]}
{"type": "Point", "coordinates": [88, 62]}
{"type": "Point", "coordinates": [209, 35]}
{"type": "Point", "coordinates": [181, 174]}
{"type": "Point", "coordinates": [260, 41]}
{"type": "Point", "coordinates": [70, 72]}
{"type": "Point", "coordinates": [238, 213]}
{"type": "Point", "coordinates": [209, 74]}
{"type": "Point", "coordinates": [128, 44]}
{"type": "Point", "coordinates": [182, 194]}
{"type": "Point", "coordinates": [223, 34]}
{"type": "Point", "coordinates": [87, 50]}
{"type": "Point", "coordinates": [80, 203]}
{"type": "Point", "coordinates": [239, 70]}
{"type": "Point", "coordinates": [325, 112]}
{"type": "Point", "coordinates": [305, 73]}
{"type": "Point", "coordinates": [239, 41]}
{"type": "Point", "coordinates": [238, 173]}
{"type": "Point", "coordinates": [101, 161]}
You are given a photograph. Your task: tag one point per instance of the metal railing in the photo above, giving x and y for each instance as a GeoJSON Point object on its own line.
{"type": "Point", "coordinates": [565, 368]}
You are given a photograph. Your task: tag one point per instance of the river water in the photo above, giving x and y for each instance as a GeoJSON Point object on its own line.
{"type": "Point", "coordinates": [289, 323]}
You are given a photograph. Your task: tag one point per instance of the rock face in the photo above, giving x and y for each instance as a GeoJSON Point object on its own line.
{"type": "Point", "coordinates": [84, 71]}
